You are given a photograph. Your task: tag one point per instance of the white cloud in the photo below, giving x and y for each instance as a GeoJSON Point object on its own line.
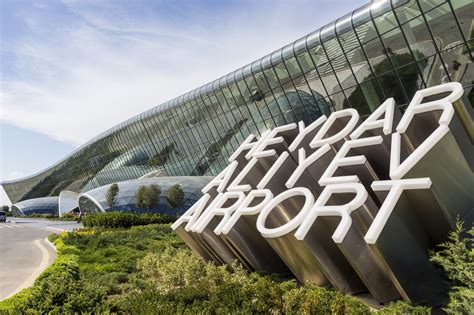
{"type": "Point", "coordinates": [75, 79]}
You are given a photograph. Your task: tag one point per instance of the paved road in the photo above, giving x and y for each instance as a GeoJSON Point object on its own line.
{"type": "Point", "coordinates": [24, 253]}
{"type": "Point", "coordinates": [53, 226]}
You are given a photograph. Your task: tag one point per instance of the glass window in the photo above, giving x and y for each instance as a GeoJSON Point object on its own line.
{"type": "Point", "coordinates": [329, 79]}
{"type": "Point", "coordinates": [293, 67]}
{"type": "Point", "coordinates": [359, 64]}
{"type": "Point", "coordinates": [282, 73]}
{"type": "Point", "coordinates": [271, 77]}
{"type": "Point", "coordinates": [385, 22]}
{"type": "Point", "coordinates": [430, 4]}
{"type": "Point", "coordinates": [443, 25]}
{"type": "Point", "coordinates": [239, 101]}
{"type": "Point", "coordinates": [339, 100]}
{"type": "Point", "coordinates": [410, 78]}
{"type": "Point", "coordinates": [391, 87]}
{"type": "Point", "coordinates": [459, 64]}
{"type": "Point", "coordinates": [377, 57]}
{"type": "Point", "coordinates": [372, 94]}
{"type": "Point", "coordinates": [333, 49]}
{"type": "Point", "coordinates": [281, 106]}
{"type": "Point", "coordinates": [366, 31]}
{"type": "Point", "coordinates": [355, 99]}
{"type": "Point", "coordinates": [261, 82]}
{"type": "Point", "coordinates": [464, 13]}
{"type": "Point", "coordinates": [343, 72]}
{"type": "Point", "coordinates": [407, 11]}
{"type": "Point", "coordinates": [318, 55]}
{"type": "Point", "coordinates": [396, 48]}
{"type": "Point", "coordinates": [348, 40]}
{"type": "Point", "coordinates": [305, 62]}
{"type": "Point", "coordinates": [419, 38]}
{"type": "Point", "coordinates": [315, 83]}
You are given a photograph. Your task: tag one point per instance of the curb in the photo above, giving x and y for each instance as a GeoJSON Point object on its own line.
{"type": "Point", "coordinates": [50, 244]}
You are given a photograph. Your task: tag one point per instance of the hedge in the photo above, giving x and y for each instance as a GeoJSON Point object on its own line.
{"type": "Point", "coordinates": [125, 219]}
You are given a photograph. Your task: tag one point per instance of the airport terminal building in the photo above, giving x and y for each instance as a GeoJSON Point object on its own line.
{"type": "Point", "coordinates": [381, 50]}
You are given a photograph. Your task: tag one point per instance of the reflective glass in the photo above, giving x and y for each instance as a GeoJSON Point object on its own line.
{"type": "Point", "coordinates": [407, 12]}
{"type": "Point", "coordinates": [443, 26]}
{"type": "Point", "coordinates": [377, 57]}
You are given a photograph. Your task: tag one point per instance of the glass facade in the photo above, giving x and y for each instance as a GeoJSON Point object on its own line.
{"type": "Point", "coordinates": [45, 205]}
{"type": "Point", "coordinates": [95, 199]}
{"type": "Point", "coordinates": [67, 202]}
{"type": "Point", "coordinates": [383, 49]}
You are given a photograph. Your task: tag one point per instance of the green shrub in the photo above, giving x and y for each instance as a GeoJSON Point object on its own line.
{"type": "Point", "coordinates": [59, 289]}
{"type": "Point", "coordinates": [310, 299]}
{"type": "Point", "coordinates": [456, 257]}
{"type": "Point", "coordinates": [41, 215]}
{"type": "Point", "coordinates": [68, 217]}
{"type": "Point", "coordinates": [175, 197]}
{"type": "Point", "coordinates": [111, 196]}
{"type": "Point", "coordinates": [400, 307]}
{"type": "Point", "coordinates": [18, 303]}
{"type": "Point", "coordinates": [178, 282]}
{"type": "Point", "coordinates": [125, 219]}
{"type": "Point", "coordinates": [147, 196]}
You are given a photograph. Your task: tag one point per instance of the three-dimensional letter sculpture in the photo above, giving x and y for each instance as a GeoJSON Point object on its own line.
{"type": "Point", "coordinates": [355, 206]}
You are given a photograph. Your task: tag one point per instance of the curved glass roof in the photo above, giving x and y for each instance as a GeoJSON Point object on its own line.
{"type": "Point", "coordinates": [44, 205]}
{"type": "Point", "coordinates": [95, 199]}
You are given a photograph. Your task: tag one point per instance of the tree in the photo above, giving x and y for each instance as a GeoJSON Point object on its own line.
{"type": "Point", "coordinates": [147, 196]}
{"type": "Point", "coordinates": [456, 257]}
{"type": "Point", "coordinates": [175, 197]}
{"type": "Point", "coordinates": [111, 196]}
{"type": "Point", "coordinates": [140, 197]}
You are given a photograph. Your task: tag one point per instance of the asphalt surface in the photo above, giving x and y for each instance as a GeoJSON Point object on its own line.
{"type": "Point", "coordinates": [24, 252]}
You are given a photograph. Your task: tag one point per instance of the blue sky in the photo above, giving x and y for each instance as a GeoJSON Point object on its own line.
{"type": "Point", "coordinates": [72, 69]}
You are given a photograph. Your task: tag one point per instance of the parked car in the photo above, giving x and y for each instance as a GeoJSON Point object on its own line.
{"type": "Point", "coordinates": [3, 216]}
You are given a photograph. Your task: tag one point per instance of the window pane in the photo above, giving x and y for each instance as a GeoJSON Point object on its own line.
{"type": "Point", "coordinates": [443, 25]}
{"type": "Point", "coordinates": [338, 100]}
{"type": "Point", "coordinates": [366, 32]}
{"type": "Point", "coordinates": [429, 4]}
{"type": "Point", "coordinates": [396, 48]}
{"type": "Point", "coordinates": [315, 83]}
{"type": "Point", "coordinates": [459, 64]}
{"type": "Point", "coordinates": [408, 11]}
{"type": "Point", "coordinates": [293, 67]}
{"type": "Point", "coordinates": [464, 12]}
{"type": "Point", "coordinates": [410, 79]}
{"type": "Point", "coordinates": [377, 57]}
{"type": "Point", "coordinates": [348, 40]}
{"type": "Point", "coordinates": [318, 55]}
{"type": "Point", "coordinates": [305, 62]}
{"type": "Point", "coordinates": [385, 22]}
{"type": "Point", "coordinates": [343, 71]}
{"type": "Point", "coordinates": [391, 88]}
{"type": "Point", "coordinates": [419, 38]}
{"type": "Point", "coordinates": [355, 99]}
{"type": "Point", "coordinates": [329, 79]}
